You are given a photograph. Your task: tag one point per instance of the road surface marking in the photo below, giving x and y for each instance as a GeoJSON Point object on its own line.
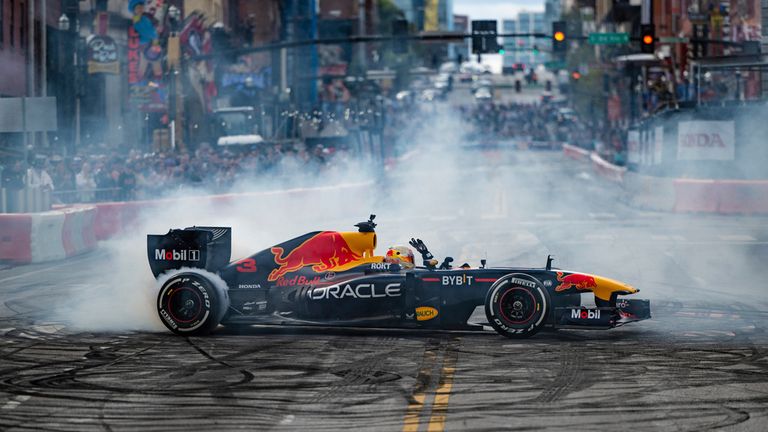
{"type": "Point", "coordinates": [737, 237]}
{"type": "Point", "coordinates": [548, 216]}
{"type": "Point", "coordinates": [443, 393]}
{"type": "Point", "coordinates": [419, 405]}
{"type": "Point", "coordinates": [411, 420]}
{"type": "Point", "coordinates": [602, 215]}
{"type": "Point", "coordinates": [599, 237]}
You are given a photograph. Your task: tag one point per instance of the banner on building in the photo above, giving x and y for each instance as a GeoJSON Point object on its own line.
{"type": "Point", "coordinates": [333, 60]}
{"type": "Point", "coordinates": [102, 55]}
{"type": "Point", "coordinates": [147, 94]}
{"type": "Point", "coordinates": [659, 147]}
{"type": "Point", "coordinates": [706, 140]}
{"type": "Point", "coordinates": [431, 15]}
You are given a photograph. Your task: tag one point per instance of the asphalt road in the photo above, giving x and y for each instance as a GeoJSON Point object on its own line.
{"type": "Point", "coordinates": [699, 364]}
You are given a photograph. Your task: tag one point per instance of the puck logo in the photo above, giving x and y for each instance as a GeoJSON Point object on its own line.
{"type": "Point", "coordinates": [585, 313]}
{"type": "Point", "coordinates": [425, 313]}
{"type": "Point", "coordinates": [177, 255]}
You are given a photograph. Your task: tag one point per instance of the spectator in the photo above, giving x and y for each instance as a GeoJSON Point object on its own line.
{"type": "Point", "coordinates": [37, 176]}
{"type": "Point", "coordinates": [85, 183]}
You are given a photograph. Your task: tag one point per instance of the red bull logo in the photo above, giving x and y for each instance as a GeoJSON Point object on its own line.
{"type": "Point", "coordinates": [325, 251]}
{"type": "Point", "coordinates": [575, 280]}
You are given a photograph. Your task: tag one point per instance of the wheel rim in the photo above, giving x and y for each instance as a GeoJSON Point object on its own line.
{"type": "Point", "coordinates": [185, 305]}
{"type": "Point", "coordinates": [517, 306]}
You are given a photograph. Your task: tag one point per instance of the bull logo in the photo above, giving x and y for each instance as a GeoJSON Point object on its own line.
{"type": "Point", "coordinates": [325, 251]}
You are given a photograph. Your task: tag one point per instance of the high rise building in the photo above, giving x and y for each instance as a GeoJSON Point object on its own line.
{"type": "Point", "coordinates": [527, 50]}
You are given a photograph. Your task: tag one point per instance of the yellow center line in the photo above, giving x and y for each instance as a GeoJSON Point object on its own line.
{"type": "Point", "coordinates": [421, 395]}
{"type": "Point", "coordinates": [443, 393]}
{"type": "Point", "coordinates": [411, 420]}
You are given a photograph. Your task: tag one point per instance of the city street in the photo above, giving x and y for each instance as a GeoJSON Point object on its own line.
{"type": "Point", "coordinates": [698, 364]}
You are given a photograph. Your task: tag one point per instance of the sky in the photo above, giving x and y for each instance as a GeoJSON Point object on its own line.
{"type": "Point", "coordinates": [495, 9]}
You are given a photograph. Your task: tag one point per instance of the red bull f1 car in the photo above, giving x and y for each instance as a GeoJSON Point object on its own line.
{"type": "Point", "coordinates": [330, 278]}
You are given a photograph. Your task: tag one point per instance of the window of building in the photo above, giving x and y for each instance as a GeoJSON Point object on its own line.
{"type": "Point", "coordinates": [12, 22]}
{"type": "Point", "coordinates": [2, 22]}
{"type": "Point", "coordinates": [23, 27]}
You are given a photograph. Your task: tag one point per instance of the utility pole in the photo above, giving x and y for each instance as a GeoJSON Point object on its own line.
{"type": "Point", "coordinates": [361, 32]}
{"type": "Point", "coordinates": [31, 63]}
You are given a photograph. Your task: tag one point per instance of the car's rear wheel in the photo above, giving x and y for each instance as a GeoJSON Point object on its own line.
{"type": "Point", "coordinates": [517, 306]}
{"type": "Point", "coordinates": [192, 303]}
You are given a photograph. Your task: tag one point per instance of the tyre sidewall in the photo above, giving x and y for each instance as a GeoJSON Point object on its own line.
{"type": "Point", "coordinates": [527, 284]}
{"type": "Point", "coordinates": [208, 315]}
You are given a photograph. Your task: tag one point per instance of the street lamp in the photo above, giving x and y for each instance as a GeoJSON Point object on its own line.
{"type": "Point", "coordinates": [64, 23]}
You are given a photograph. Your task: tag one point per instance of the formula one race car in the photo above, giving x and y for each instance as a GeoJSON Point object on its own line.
{"type": "Point", "coordinates": [329, 278]}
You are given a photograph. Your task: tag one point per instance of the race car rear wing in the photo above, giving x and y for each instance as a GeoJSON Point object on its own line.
{"type": "Point", "coordinates": [207, 248]}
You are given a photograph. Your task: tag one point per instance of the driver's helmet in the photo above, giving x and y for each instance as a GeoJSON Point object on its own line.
{"type": "Point", "coordinates": [400, 255]}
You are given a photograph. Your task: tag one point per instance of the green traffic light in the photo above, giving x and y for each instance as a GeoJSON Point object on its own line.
{"type": "Point", "coordinates": [501, 51]}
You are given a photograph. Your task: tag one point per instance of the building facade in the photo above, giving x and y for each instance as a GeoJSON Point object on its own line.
{"type": "Point", "coordinates": [527, 50]}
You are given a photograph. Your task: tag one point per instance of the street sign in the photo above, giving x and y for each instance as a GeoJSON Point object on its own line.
{"type": "Point", "coordinates": [37, 114]}
{"type": "Point", "coordinates": [608, 38]}
{"type": "Point", "coordinates": [484, 36]}
{"type": "Point", "coordinates": [552, 65]}
{"type": "Point", "coordinates": [671, 40]}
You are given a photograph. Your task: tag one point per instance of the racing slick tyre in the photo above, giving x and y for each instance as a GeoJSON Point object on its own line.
{"type": "Point", "coordinates": [517, 306]}
{"type": "Point", "coordinates": [192, 302]}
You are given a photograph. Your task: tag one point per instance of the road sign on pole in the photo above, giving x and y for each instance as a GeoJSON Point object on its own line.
{"type": "Point", "coordinates": [608, 38]}
{"type": "Point", "coordinates": [484, 36]}
{"type": "Point", "coordinates": [672, 40]}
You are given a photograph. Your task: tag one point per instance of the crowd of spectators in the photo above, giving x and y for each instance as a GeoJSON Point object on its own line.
{"type": "Point", "coordinates": [109, 176]}
{"type": "Point", "coordinates": [543, 122]}
{"type": "Point", "coordinates": [103, 174]}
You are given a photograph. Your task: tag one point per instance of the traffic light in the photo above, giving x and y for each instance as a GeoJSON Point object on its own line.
{"type": "Point", "coordinates": [399, 31]}
{"type": "Point", "coordinates": [576, 75]}
{"type": "Point", "coordinates": [501, 49]}
{"type": "Point", "coordinates": [647, 38]}
{"type": "Point", "coordinates": [484, 37]}
{"type": "Point", "coordinates": [559, 37]}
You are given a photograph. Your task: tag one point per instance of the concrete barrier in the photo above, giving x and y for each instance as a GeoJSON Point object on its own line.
{"type": "Point", "coordinates": [650, 193]}
{"type": "Point", "coordinates": [577, 153]}
{"type": "Point", "coordinates": [46, 236]}
{"type": "Point", "coordinates": [741, 196]}
{"type": "Point", "coordinates": [680, 195]}
{"type": "Point", "coordinates": [607, 170]}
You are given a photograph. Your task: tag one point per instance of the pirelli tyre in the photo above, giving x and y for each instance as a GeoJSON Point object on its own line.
{"type": "Point", "coordinates": [517, 306]}
{"type": "Point", "coordinates": [192, 302]}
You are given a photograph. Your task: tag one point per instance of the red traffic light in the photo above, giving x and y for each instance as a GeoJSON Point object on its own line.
{"type": "Point", "coordinates": [648, 39]}
{"type": "Point", "coordinates": [575, 75]}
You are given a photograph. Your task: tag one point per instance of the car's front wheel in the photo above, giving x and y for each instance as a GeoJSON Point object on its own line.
{"type": "Point", "coordinates": [517, 306]}
{"type": "Point", "coordinates": [192, 303]}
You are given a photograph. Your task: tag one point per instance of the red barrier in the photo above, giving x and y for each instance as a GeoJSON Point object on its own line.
{"type": "Point", "coordinates": [695, 196]}
{"type": "Point", "coordinates": [742, 196]}
{"type": "Point", "coordinates": [15, 234]}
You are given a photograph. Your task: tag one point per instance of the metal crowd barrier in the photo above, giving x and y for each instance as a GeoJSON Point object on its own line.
{"type": "Point", "coordinates": [26, 200]}
{"type": "Point", "coordinates": [83, 196]}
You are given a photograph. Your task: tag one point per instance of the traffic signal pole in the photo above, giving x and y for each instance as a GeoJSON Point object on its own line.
{"type": "Point", "coordinates": [447, 37]}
